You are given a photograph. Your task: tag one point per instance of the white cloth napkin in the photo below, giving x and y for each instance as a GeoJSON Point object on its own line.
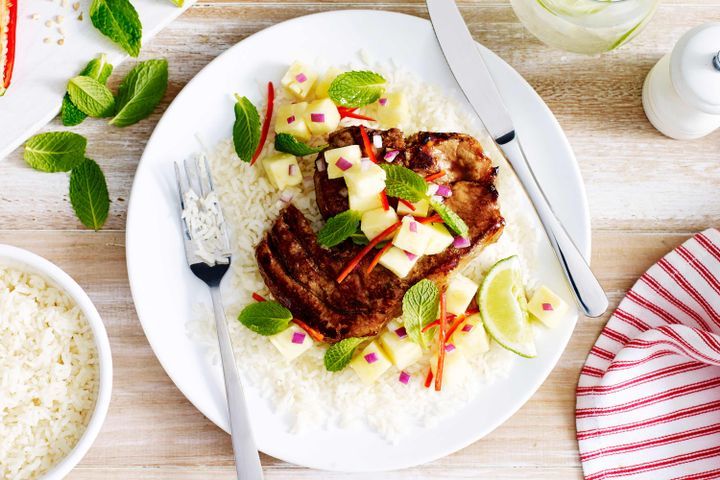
{"type": "Point", "coordinates": [648, 398]}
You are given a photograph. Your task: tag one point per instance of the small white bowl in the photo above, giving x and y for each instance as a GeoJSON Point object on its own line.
{"type": "Point", "coordinates": [27, 261]}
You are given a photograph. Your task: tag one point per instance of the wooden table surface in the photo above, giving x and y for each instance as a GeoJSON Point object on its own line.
{"type": "Point", "coordinates": [647, 194]}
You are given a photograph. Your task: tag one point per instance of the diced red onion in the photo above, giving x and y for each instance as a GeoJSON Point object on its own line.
{"type": "Point", "coordinates": [377, 141]}
{"type": "Point", "coordinates": [444, 191]}
{"type": "Point", "coordinates": [371, 357]}
{"type": "Point", "coordinates": [383, 101]}
{"type": "Point", "coordinates": [432, 189]}
{"type": "Point", "coordinates": [292, 169]}
{"type": "Point", "coordinates": [449, 347]}
{"type": "Point", "coordinates": [461, 242]}
{"type": "Point", "coordinates": [320, 165]}
{"type": "Point", "coordinates": [317, 117]}
{"type": "Point", "coordinates": [410, 256]}
{"type": "Point", "coordinates": [401, 332]}
{"type": "Point", "coordinates": [301, 77]}
{"type": "Point", "coordinates": [404, 377]}
{"type": "Point", "coordinates": [413, 227]}
{"type": "Point", "coordinates": [298, 338]}
{"type": "Point", "coordinates": [343, 164]}
{"type": "Point", "coordinates": [390, 156]}
{"type": "Point", "coordinates": [286, 196]}
{"type": "Point", "coordinates": [290, 119]}
{"type": "Point", "coordinates": [547, 307]}
{"type": "Point", "coordinates": [467, 327]}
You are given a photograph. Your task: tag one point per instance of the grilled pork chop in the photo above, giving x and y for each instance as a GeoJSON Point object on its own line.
{"type": "Point", "coordinates": [301, 274]}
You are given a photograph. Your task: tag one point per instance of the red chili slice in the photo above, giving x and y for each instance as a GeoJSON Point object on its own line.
{"type": "Point", "coordinates": [8, 13]}
{"type": "Point", "coordinates": [266, 122]}
{"type": "Point", "coordinates": [367, 145]}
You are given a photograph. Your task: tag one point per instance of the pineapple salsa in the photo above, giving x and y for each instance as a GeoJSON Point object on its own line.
{"type": "Point", "coordinates": [442, 325]}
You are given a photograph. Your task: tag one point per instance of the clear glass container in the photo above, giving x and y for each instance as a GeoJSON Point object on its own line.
{"type": "Point", "coordinates": [585, 26]}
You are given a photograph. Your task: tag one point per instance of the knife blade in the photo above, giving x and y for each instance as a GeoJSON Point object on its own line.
{"type": "Point", "coordinates": [475, 80]}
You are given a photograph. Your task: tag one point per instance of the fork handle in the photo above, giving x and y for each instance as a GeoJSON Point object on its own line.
{"type": "Point", "coordinates": [247, 459]}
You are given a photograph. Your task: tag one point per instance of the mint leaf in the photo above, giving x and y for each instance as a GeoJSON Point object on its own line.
{"type": "Point", "coordinates": [339, 228]}
{"type": "Point", "coordinates": [420, 307]}
{"type": "Point", "coordinates": [340, 354]}
{"type": "Point", "coordinates": [140, 92]}
{"type": "Point", "coordinates": [246, 131]}
{"type": "Point", "coordinates": [100, 70]}
{"type": "Point", "coordinates": [89, 194]}
{"type": "Point", "coordinates": [356, 88]}
{"type": "Point", "coordinates": [284, 142]}
{"type": "Point", "coordinates": [401, 182]}
{"type": "Point", "coordinates": [91, 97]}
{"type": "Point", "coordinates": [265, 318]}
{"type": "Point", "coordinates": [55, 151]}
{"type": "Point", "coordinates": [359, 238]}
{"type": "Point", "coordinates": [451, 218]}
{"type": "Point", "coordinates": [119, 21]}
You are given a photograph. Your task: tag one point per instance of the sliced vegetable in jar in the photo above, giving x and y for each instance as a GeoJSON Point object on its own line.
{"type": "Point", "coordinates": [356, 88]}
{"type": "Point", "coordinates": [339, 355]}
{"type": "Point", "coordinates": [284, 142]}
{"type": "Point", "coordinates": [339, 228]}
{"type": "Point", "coordinates": [265, 318]}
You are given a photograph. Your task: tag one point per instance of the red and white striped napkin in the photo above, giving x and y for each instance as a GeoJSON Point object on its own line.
{"type": "Point", "coordinates": [648, 399]}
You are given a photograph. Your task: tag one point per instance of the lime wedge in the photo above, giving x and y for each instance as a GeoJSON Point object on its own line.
{"type": "Point", "coordinates": [504, 308]}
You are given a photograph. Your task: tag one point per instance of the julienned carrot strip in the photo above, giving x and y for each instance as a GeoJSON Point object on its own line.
{"type": "Point", "coordinates": [432, 219]}
{"type": "Point", "coordinates": [257, 297]}
{"type": "Point", "coordinates": [435, 176]}
{"type": "Point", "coordinates": [376, 258]}
{"type": "Point", "coordinates": [441, 343]}
{"type": "Point", "coordinates": [458, 320]}
{"type": "Point", "coordinates": [428, 378]}
{"type": "Point", "coordinates": [427, 327]}
{"type": "Point", "coordinates": [407, 204]}
{"type": "Point", "coordinates": [266, 122]}
{"type": "Point", "coordinates": [384, 201]}
{"type": "Point", "coordinates": [356, 260]}
{"type": "Point", "coordinates": [367, 145]}
{"type": "Point", "coordinates": [314, 334]}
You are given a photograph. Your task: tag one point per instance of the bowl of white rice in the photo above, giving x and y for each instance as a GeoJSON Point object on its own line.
{"type": "Point", "coordinates": [55, 369]}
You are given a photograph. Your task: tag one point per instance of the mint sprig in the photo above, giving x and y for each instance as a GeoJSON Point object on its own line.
{"type": "Point", "coordinates": [89, 194]}
{"type": "Point", "coordinates": [450, 218]}
{"type": "Point", "coordinates": [356, 88]}
{"type": "Point", "coordinates": [91, 97]}
{"type": "Point", "coordinates": [119, 21]}
{"type": "Point", "coordinates": [339, 355]}
{"type": "Point", "coordinates": [401, 182]}
{"type": "Point", "coordinates": [98, 68]}
{"type": "Point", "coordinates": [55, 151]}
{"type": "Point", "coordinates": [246, 130]}
{"type": "Point", "coordinates": [420, 307]}
{"type": "Point", "coordinates": [339, 228]}
{"type": "Point", "coordinates": [140, 92]}
{"type": "Point", "coordinates": [286, 143]}
{"type": "Point", "coordinates": [265, 318]}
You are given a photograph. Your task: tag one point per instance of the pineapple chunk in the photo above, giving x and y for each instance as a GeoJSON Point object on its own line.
{"type": "Point", "coordinates": [351, 153]}
{"type": "Point", "coordinates": [421, 208]}
{"type": "Point", "coordinates": [292, 342]}
{"type": "Point", "coordinates": [471, 337]}
{"type": "Point", "coordinates": [440, 239]}
{"type": "Point", "coordinates": [365, 178]}
{"type": "Point", "coordinates": [323, 84]}
{"type": "Point", "coordinates": [363, 203]}
{"type": "Point", "coordinates": [371, 363]}
{"type": "Point", "coordinates": [375, 221]}
{"type": "Point", "coordinates": [416, 241]}
{"type": "Point", "coordinates": [392, 110]}
{"type": "Point", "coordinates": [547, 307]}
{"type": "Point", "coordinates": [398, 261]}
{"type": "Point", "coordinates": [291, 119]}
{"type": "Point", "coordinates": [322, 116]}
{"type": "Point", "coordinates": [402, 351]}
{"type": "Point", "coordinates": [282, 170]}
{"type": "Point", "coordinates": [460, 292]}
{"type": "Point", "coordinates": [299, 80]}
{"type": "Point", "coordinates": [456, 368]}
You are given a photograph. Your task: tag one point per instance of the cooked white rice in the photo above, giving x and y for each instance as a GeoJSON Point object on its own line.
{"type": "Point", "coordinates": [303, 389]}
{"type": "Point", "coordinates": [48, 374]}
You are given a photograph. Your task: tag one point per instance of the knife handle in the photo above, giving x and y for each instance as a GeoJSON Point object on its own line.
{"type": "Point", "coordinates": [588, 293]}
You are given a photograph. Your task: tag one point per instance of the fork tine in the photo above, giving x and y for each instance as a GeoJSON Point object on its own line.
{"type": "Point", "coordinates": [180, 185]}
{"type": "Point", "coordinates": [191, 179]}
{"type": "Point", "coordinates": [204, 176]}
{"type": "Point", "coordinates": [209, 174]}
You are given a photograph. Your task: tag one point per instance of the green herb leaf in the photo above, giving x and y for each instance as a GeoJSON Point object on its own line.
{"type": "Point", "coordinates": [265, 318]}
{"type": "Point", "coordinates": [100, 70]}
{"type": "Point", "coordinates": [284, 142]}
{"type": "Point", "coordinates": [356, 89]}
{"type": "Point", "coordinates": [246, 131]}
{"type": "Point", "coordinates": [140, 92]}
{"type": "Point", "coordinates": [55, 151]}
{"type": "Point", "coordinates": [119, 21]}
{"type": "Point", "coordinates": [359, 238]}
{"type": "Point", "coordinates": [340, 354]}
{"type": "Point", "coordinates": [401, 182]}
{"type": "Point", "coordinates": [89, 194]}
{"type": "Point", "coordinates": [339, 228]}
{"type": "Point", "coordinates": [451, 218]}
{"type": "Point", "coordinates": [420, 307]}
{"type": "Point", "coordinates": [91, 97]}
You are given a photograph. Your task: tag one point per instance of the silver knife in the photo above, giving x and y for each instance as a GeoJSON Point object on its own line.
{"type": "Point", "coordinates": [473, 76]}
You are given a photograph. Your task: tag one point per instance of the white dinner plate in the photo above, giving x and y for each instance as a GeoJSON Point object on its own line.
{"type": "Point", "coordinates": [165, 291]}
